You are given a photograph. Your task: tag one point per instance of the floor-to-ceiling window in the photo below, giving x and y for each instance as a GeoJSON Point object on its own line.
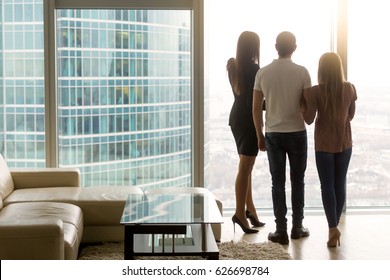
{"type": "Point", "coordinates": [311, 22]}
{"type": "Point", "coordinates": [368, 181]}
{"type": "Point", "coordinates": [22, 109]}
{"type": "Point", "coordinates": [111, 93]}
{"type": "Point", "coordinates": [124, 95]}
{"type": "Point", "coordinates": [118, 100]}
{"type": "Point", "coordinates": [355, 29]}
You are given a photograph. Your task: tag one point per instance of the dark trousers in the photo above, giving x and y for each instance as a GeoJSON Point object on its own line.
{"type": "Point", "coordinates": [332, 170]}
{"type": "Point", "coordinates": [294, 146]}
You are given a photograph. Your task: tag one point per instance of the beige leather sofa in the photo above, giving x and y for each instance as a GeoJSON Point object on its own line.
{"type": "Point", "coordinates": [45, 214]}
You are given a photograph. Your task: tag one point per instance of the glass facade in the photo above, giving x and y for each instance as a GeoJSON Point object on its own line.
{"type": "Point", "coordinates": [22, 109]}
{"type": "Point", "coordinates": [123, 93]}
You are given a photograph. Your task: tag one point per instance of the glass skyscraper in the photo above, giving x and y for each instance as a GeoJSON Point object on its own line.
{"type": "Point", "coordinates": [21, 83]}
{"type": "Point", "coordinates": [123, 112]}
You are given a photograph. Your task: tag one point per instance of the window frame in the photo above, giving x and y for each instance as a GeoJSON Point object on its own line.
{"type": "Point", "coordinates": [197, 76]}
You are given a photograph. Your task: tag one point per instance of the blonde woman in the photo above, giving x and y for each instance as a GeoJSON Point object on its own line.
{"type": "Point", "coordinates": [332, 104]}
{"type": "Point", "coordinates": [242, 71]}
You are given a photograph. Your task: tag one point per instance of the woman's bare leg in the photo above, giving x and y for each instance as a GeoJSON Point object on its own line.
{"type": "Point", "coordinates": [242, 186]}
{"type": "Point", "coordinates": [249, 199]}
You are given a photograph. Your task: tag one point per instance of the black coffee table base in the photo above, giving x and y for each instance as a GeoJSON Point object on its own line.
{"type": "Point", "coordinates": [137, 241]}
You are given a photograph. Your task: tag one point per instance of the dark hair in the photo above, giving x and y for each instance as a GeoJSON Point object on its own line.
{"type": "Point", "coordinates": [285, 43]}
{"type": "Point", "coordinates": [248, 52]}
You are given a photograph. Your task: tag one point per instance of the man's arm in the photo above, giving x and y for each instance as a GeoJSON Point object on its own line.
{"type": "Point", "coordinates": [257, 112]}
{"type": "Point", "coordinates": [308, 107]}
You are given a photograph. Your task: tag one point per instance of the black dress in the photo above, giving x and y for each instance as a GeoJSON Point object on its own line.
{"type": "Point", "coordinates": [240, 118]}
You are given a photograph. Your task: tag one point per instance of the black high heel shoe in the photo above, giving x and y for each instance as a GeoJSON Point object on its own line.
{"type": "Point", "coordinates": [235, 221]}
{"type": "Point", "coordinates": [253, 220]}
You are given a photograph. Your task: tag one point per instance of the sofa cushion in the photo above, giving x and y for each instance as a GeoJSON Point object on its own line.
{"type": "Point", "coordinates": [70, 215]}
{"type": "Point", "coordinates": [37, 239]}
{"type": "Point", "coordinates": [104, 205]}
{"type": "Point", "coordinates": [55, 194]}
{"type": "Point", "coordinates": [24, 178]}
{"type": "Point", "coordinates": [6, 182]}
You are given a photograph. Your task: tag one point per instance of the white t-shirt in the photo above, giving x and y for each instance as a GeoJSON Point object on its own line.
{"type": "Point", "coordinates": [282, 83]}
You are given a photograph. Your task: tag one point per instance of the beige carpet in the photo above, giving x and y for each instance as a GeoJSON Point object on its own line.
{"type": "Point", "coordinates": [227, 251]}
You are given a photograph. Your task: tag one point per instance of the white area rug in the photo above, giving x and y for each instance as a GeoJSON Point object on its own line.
{"type": "Point", "coordinates": [227, 251]}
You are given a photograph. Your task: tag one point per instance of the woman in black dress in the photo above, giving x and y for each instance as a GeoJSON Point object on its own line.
{"type": "Point", "coordinates": [242, 71]}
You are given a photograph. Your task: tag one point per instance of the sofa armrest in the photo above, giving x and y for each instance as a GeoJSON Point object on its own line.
{"type": "Point", "coordinates": [38, 239]}
{"type": "Point", "coordinates": [45, 177]}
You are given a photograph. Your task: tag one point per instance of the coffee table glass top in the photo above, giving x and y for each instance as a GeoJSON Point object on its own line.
{"type": "Point", "coordinates": [171, 208]}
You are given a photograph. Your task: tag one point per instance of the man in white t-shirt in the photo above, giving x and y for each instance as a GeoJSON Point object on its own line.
{"type": "Point", "coordinates": [281, 85]}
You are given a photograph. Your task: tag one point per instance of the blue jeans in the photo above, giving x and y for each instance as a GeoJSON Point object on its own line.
{"type": "Point", "coordinates": [294, 146]}
{"type": "Point", "coordinates": [332, 170]}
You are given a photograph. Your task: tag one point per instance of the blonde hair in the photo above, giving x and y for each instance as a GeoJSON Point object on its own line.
{"type": "Point", "coordinates": [248, 52]}
{"type": "Point", "coordinates": [331, 82]}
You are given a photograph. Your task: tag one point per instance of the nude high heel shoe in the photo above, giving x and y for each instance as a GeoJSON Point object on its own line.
{"type": "Point", "coordinates": [334, 237]}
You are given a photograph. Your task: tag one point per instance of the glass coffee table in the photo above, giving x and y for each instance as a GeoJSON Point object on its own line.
{"type": "Point", "coordinates": [161, 222]}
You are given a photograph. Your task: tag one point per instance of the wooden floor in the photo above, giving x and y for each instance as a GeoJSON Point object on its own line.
{"type": "Point", "coordinates": [365, 235]}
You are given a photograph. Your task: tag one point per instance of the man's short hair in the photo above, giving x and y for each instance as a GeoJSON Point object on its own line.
{"type": "Point", "coordinates": [285, 43]}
